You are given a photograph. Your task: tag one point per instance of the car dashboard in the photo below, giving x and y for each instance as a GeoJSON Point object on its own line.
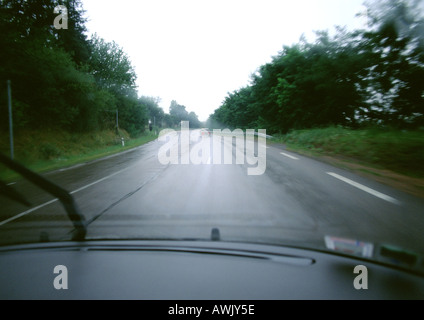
{"type": "Point", "coordinates": [194, 270]}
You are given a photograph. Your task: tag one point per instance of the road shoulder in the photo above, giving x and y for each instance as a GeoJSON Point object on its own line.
{"type": "Point", "coordinates": [410, 185]}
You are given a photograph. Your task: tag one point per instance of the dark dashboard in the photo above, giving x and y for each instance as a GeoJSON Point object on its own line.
{"type": "Point", "coordinates": [194, 270]}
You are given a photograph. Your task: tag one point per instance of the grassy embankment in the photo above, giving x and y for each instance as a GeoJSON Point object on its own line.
{"type": "Point", "coordinates": [48, 150]}
{"type": "Point", "coordinates": [390, 156]}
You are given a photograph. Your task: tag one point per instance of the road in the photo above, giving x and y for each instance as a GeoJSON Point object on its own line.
{"type": "Point", "coordinates": [136, 194]}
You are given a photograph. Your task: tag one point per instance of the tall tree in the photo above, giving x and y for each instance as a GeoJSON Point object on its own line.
{"type": "Point", "coordinates": [347, 79]}
{"type": "Point", "coordinates": [155, 113]}
{"type": "Point", "coordinates": [48, 87]}
{"type": "Point", "coordinates": [394, 47]}
{"type": "Point", "coordinates": [74, 39]}
{"type": "Point", "coordinates": [111, 66]}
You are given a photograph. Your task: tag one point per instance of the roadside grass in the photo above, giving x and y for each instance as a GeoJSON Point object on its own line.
{"type": "Point", "coordinates": [391, 156]}
{"type": "Point", "coordinates": [43, 151]}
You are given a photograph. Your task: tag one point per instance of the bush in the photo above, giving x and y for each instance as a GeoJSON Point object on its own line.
{"type": "Point", "coordinates": [49, 151]}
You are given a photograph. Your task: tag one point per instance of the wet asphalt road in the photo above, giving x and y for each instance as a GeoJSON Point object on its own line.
{"type": "Point", "coordinates": [296, 199]}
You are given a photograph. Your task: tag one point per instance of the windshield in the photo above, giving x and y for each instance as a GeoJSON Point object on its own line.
{"type": "Point", "coordinates": [293, 123]}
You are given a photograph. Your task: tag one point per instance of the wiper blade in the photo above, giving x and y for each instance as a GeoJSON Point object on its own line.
{"type": "Point", "coordinates": [64, 196]}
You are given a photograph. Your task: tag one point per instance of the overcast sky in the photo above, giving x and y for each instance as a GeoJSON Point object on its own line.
{"type": "Point", "coordinates": [196, 51]}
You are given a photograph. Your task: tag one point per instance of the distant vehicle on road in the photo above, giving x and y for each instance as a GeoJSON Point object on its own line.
{"type": "Point", "coordinates": [205, 132]}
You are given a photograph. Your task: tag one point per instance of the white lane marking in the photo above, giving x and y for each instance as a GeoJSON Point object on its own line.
{"type": "Point", "coordinates": [364, 188]}
{"type": "Point", "coordinates": [28, 211]}
{"type": "Point", "coordinates": [73, 167]}
{"type": "Point", "coordinates": [54, 200]}
{"type": "Point", "coordinates": [289, 156]}
{"type": "Point", "coordinates": [100, 180]}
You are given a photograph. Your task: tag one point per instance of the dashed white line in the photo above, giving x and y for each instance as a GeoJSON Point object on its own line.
{"type": "Point", "coordinates": [364, 188]}
{"type": "Point", "coordinates": [289, 156]}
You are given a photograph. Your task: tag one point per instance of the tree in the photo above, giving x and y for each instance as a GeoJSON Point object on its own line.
{"type": "Point", "coordinates": [49, 89]}
{"type": "Point", "coordinates": [194, 120]}
{"type": "Point", "coordinates": [394, 49]}
{"type": "Point", "coordinates": [74, 40]}
{"type": "Point", "coordinates": [348, 79]}
{"type": "Point", "coordinates": [155, 113]}
{"type": "Point", "coordinates": [132, 115]}
{"type": "Point", "coordinates": [111, 67]}
{"type": "Point", "coordinates": [178, 113]}
{"type": "Point", "coordinates": [305, 85]}
{"type": "Point", "coordinates": [59, 79]}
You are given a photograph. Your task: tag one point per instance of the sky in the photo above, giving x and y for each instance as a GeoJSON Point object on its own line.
{"type": "Point", "coordinates": [197, 51]}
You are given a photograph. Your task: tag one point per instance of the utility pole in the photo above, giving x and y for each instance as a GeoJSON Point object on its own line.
{"type": "Point", "coordinates": [117, 123]}
{"type": "Point", "coordinates": [9, 98]}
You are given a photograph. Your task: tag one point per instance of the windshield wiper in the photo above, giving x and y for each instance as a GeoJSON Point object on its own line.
{"type": "Point", "coordinates": [64, 196]}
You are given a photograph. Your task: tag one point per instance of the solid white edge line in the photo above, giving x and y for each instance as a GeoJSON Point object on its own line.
{"type": "Point", "coordinates": [97, 181]}
{"type": "Point", "coordinates": [54, 200]}
{"type": "Point", "coordinates": [28, 211]}
{"type": "Point", "coordinates": [364, 188]}
{"type": "Point", "coordinates": [289, 156]}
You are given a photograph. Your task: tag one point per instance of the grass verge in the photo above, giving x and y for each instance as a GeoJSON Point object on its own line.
{"type": "Point", "coordinates": [43, 151]}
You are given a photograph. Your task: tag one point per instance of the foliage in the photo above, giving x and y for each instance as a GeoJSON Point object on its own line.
{"type": "Point", "coordinates": [111, 67]}
{"type": "Point", "coordinates": [179, 113]}
{"type": "Point", "coordinates": [61, 79]}
{"type": "Point", "coordinates": [389, 148]}
{"type": "Point", "coordinates": [357, 78]}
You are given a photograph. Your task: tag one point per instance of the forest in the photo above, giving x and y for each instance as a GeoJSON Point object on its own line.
{"type": "Point", "coordinates": [67, 80]}
{"type": "Point", "coordinates": [64, 79]}
{"type": "Point", "coordinates": [354, 79]}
